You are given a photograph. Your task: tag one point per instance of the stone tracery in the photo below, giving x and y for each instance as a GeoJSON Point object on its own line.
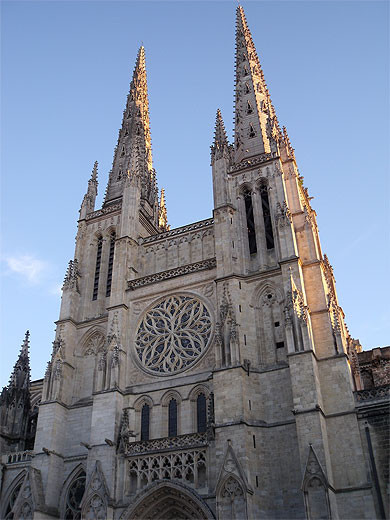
{"type": "Point", "coordinates": [173, 334]}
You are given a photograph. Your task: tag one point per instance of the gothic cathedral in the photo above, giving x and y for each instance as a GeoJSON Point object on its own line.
{"type": "Point", "coordinates": [202, 372]}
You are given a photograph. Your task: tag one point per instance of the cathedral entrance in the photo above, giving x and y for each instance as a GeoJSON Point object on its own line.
{"type": "Point", "coordinates": [168, 501]}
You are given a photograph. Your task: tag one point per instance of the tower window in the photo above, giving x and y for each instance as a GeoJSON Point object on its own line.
{"type": "Point", "coordinates": [201, 414]}
{"type": "Point", "coordinates": [97, 268]}
{"type": "Point", "coordinates": [251, 130]}
{"type": "Point", "coordinates": [247, 89]}
{"type": "Point", "coordinates": [280, 344]}
{"type": "Point", "coordinates": [145, 422]}
{"type": "Point", "coordinates": [269, 236]}
{"type": "Point", "coordinates": [172, 418]}
{"type": "Point", "coordinates": [123, 151]}
{"type": "Point", "coordinates": [250, 223]}
{"type": "Point", "coordinates": [249, 108]}
{"type": "Point", "coordinates": [110, 263]}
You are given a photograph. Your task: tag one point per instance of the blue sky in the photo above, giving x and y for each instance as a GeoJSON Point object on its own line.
{"type": "Point", "coordinates": [66, 68]}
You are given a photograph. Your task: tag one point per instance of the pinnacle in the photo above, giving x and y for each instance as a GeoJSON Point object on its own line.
{"type": "Point", "coordinates": [22, 364]}
{"type": "Point", "coordinates": [94, 172]}
{"type": "Point", "coordinates": [220, 137]}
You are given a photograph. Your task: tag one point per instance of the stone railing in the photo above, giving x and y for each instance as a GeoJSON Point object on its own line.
{"type": "Point", "coordinates": [178, 231]}
{"type": "Point", "coordinates": [19, 456]}
{"type": "Point", "coordinates": [249, 163]}
{"type": "Point", "coordinates": [373, 394]}
{"type": "Point", "coordinates": [189, 440]}
{"type": "Point", "coordinates": [104, 211]}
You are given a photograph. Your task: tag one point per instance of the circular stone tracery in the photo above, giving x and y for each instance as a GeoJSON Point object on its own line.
{"type": "Point", "coordinates": [173, 334]}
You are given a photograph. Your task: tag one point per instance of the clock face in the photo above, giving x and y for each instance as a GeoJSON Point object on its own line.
{"type": "Point", "coordinates": [173, 334]}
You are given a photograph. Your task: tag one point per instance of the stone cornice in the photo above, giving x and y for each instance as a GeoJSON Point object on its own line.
{"type": "Point", "coordinates": [172, 273]}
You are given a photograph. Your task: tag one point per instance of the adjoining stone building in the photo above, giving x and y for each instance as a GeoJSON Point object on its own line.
{"type": "Point", "coordinates": [205, 371]}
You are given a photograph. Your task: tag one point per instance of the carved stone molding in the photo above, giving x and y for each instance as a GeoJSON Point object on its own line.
{"type": "Point", "coordinates": [178, 231]}
{"type": "Point", "coordinates": [104, 211]}
{"type": "Point", "coordinates": [189, 440]}
{"type": "Point", "coordinates": [172, 273]}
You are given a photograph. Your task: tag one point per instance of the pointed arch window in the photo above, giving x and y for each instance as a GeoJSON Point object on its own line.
{"type": "Point", "coordinates": [172, 418]}
{"type": "Point", "coordinates": [110, 263]}
{"type": "Point", "coordinates": [247, 89]}
{"type": "Point", "coordinates": [269, 235]}
{"type": "Point", "coordinates": [123, 151]}
{"type": "Point", "coordinates": [249, 108]}
{"type": "Point", "coordinates": [74, 497]}
{"type": "Point", "coordinates": [251, 131]}
{"type": "Point", "coordinates": [12, 499]}
{"type": "Point", "coordinates": [246, 71]}
{"type": "Point", "coordinates": [243, 57]}
{"type": "Point", "coordinates": [201, 413]}
{"type": "Point", "coordinates": [145, 422]}
{"type": "Point", "coordinates": [250, 222]}
{"type": "Point", "coordinates": [97, 268]}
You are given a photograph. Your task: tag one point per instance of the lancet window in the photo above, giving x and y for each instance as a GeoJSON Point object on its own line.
{"type": "Point", "coordinates": [250, 222]}
{"type": "Point", "coordinates": [97, 268]}
{"type": "Point", "coordinates": [145, 422]}
{"type": "Point", "coordinates": [11, 501]}
{"type": "Point", "coordinates": [172, 418]}
{"type": "Point", "coordinates": [110, 263]}
{"type": "Point", "coordinates": [269, 235]}
{"type": "Point", "coordinates": [74, 497]}
{"type": "Point", "coordinates": [201, 413]}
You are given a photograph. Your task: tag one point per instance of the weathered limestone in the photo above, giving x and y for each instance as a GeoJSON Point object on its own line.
{"type": "Point", "coordinates": [205, 371]}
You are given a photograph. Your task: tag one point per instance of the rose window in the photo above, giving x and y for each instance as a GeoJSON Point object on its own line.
{"type": "Point", "coordinates": [173, 334]}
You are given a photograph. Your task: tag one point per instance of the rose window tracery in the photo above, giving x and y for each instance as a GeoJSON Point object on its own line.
{"type": "Point", "coordinates": [173, 334]}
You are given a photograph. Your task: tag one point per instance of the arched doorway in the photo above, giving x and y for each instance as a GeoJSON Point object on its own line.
{"type": "Point", "coordinates": [170, 501]}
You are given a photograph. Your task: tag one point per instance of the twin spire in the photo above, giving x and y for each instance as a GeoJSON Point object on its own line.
{"type": "Point", "coordinates": [133, 153]}
{"type": "Point", "coordinates": [256, 128]}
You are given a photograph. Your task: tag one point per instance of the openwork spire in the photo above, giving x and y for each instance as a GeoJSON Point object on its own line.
{"type": "Point", "coordinates": [20, 377]}
{"type": "Point", "coordinates": [256, 125]}
{"type": "Point", "coordinates": [162, 213]}
{"type": "Point", "coordinates": [134, 151]}
{"type": "Point", "coordinates": [221, 144]}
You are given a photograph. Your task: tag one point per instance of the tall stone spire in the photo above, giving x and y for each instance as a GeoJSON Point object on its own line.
{"type": "Point", "coordinates": [134, 152]}
{"type": "Point", "coordinates": [256, 126]}
{"type": "Point", "coordinates": [20, 377]}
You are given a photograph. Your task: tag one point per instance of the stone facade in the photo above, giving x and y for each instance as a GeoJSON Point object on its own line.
{"type": "Point", "coordinates": [204, 371]}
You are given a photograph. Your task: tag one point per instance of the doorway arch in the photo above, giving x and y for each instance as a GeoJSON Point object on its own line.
{"type": "Point", "coordinates": [168, 500]}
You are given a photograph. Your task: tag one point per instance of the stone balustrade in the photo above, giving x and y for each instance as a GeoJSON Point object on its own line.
{"type": "Point", "coordinates": [373, 394]}
{"type": "Point", "coordinates": [189, 440]}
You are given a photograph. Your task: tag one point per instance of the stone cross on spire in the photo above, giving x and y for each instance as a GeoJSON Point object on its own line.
{"type": "Point", "coordinates": [255, 121]}
{"type": "Point", "coordinates": [134, 151]}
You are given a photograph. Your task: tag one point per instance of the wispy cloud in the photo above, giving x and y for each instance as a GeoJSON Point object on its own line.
{"type": "Point", "coordinates": [27, 266]}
